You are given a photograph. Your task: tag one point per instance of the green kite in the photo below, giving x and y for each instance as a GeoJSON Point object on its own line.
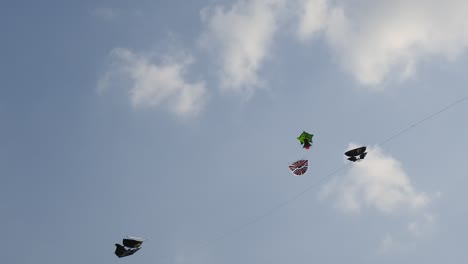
{"type": "Point", "coordinates": [305, 139]}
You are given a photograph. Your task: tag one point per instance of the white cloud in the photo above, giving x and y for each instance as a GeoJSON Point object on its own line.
{"type": "Point", "coordinates": [152, 85]}
{"type": "Point", "coordinates": [378, 182]}
{"type": "Point", "coordinates": [313, 16]}
{"type": "Point", "coordinates": [378, 39]}
{"type": "Point", "coordinates": [241, 36]}
{"type": "Point", "coordinates": [373, 40]}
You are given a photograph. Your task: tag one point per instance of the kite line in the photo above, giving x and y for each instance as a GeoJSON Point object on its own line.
{"type": "Point", "coordinates": [422, 121]}
{"type": "Point", "coordinates": [320, 180]}
{"type": "Point", "coordinates": [272, 210]}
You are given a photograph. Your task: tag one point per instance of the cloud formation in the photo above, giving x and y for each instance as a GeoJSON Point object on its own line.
{"type": "Point", "coordinates": [374, 41]}
{"type": "Point", "coordinates": [378, 182]}
{"type": "Point", "coordinates": [152, 85]}
{"type": "Point", "coordinates": [241, 36]}
{"type": "Point", "coordinates": [312, 17]}
{"type": "Point", "coordinates": [378, 39]}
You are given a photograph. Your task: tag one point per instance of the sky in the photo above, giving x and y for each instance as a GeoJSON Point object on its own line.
{"type": "Point", "coordinates": [175, 121]}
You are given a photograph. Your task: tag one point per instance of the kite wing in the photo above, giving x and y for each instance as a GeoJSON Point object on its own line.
{"type": "Point", "coordinates": [120, 251]}
{"type": "Point", "coordinates": [132, 251]}
{"type": "Point", "coordinates": [132, 242]}
{"type": "Point", "coordinates": [130, 246]}
{"type": "Point", "coordinates": [299, 167]}
{"type": "Point", "coordinates": [355, 153]}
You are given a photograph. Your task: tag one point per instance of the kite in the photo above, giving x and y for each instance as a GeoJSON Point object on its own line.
{"type": "Point", "coordinates": [299, 167]}
{"type": "Point", "coordinates": [121, 251]}
{"type": "Point", "coordinates": [305, 139]}
{"type": "Point", "coordinates": [130, 246]}
{"type": "Point", "coordinates": [132, 242]}
{"type": "Point", "coordinates": [356, 154]}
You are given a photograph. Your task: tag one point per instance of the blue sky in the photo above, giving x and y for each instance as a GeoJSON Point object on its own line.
{"type": "Point", "coordinates": [176, 122]}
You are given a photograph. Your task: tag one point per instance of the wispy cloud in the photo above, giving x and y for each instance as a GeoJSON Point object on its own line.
{"type": "Point", "coordinates": [386, 244]}
{"type": "Point", "coordinates": [312, 16]}
{"type": "Point", "coordinates": [241, 36]}
{"type": "Point", "coordinates": [374, 41]}
{"type": "Point", "coordinates": [421, 227]}
{"type": "Point", "coordinates": [152, 85]}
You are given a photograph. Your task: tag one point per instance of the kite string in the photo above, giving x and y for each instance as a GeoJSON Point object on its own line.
{"type": "Point", "coordinates": [391, 138]}
{"type": "Point", "coordinates": [310, 187]}
{"type": "Point", "coordinates": [275, 208]}
{"type": "Point", "coordinates": [270, 211]}
{"type": "Point", "coordinates": [295, 197]}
